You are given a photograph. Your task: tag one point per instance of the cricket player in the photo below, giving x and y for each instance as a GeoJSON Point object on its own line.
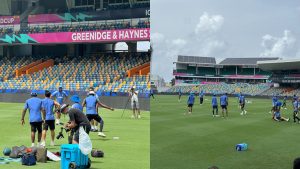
{"type": "Point", "coordinates": [91, 103]}
{"type": "Point", "coordinates": [224, 104]}
{"type": "Point", "coordinates": [135, 103]}
{"type": "Point", "coordinates": [179, 94]}
{"type": "Point", "coordinates": [201, 96]}
{"type": "Point", "coordinates": [48, 116]}
{"type": "Point", "coordinates": [77, 120]}
{"type": "Point", "coordinates": [284, 102]}
{"type": "Point", "coordinates": [214, 103]}
{"type": "Point", "coordinates": [190, 102]}
{"type": "Point", "coordinates": [277, 115]}
{"type": "Point", "coordinates": [94, 123]}
{"type": "Point", "coordinates": [152, 93]}
{"type": "Point", "coordinates": [242, 102]}
{"type": "Point", "coordinates": [60, 96]}
{"type": "Point", "coordinates": [34, 104]}
{"type": "Point", "coordinates": [296, 111]}
{"type": "Point", "coordinates": [76, 100]}
{"type": "Point", "coordinates": [274, 103]}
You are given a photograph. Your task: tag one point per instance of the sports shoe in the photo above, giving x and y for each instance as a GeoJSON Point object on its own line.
{"type": "Point", "coordinates": [32, 144]}
{"type": "Point", "coordinates": [57, 122]}
{"type": "Point", "coordinates": [132, 116]}
{"type": "Point", "coordinates": [101, 134]}
{"type": "Point", "coordinates": [288, 119]}
{"type": "Point", "coordinates": [139, 116]}
{"type": "Point", "coordinates": [52, 143]}
{"type": "Point", "coordinates": [42, 144]}
{"type": "Point", "coordinates": [245, 112]}
{"type": "Point", "coordinates": [242, 113]}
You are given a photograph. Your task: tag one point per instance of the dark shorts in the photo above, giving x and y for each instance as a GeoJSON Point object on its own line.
{"type": "Point", "coordinates": [190, 105]}
{"type": "Point", "coordinates": [50, 124]}
{"type": "Point", "coordinates": [242, 105]}
{"type": "Point", "coordinates": [94, 117]}
{"type": "Point", "coordinates": [215, 107]}
{"type": "Point", "coordinates": [87, 129]}
{"type": "Point", "coordinates": [36, 126]}
{"type": "Point", "coordinates": [224, 107]}
{"type": "Point", "coordinates": [278, 118]}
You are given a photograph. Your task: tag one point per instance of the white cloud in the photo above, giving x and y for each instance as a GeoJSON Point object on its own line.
{"type": "Point", "coordinates": [204, 40]}
{"type": "Point", "coordinates": [285, 46]}
{"type": "Point", "coordinates": [209, 23]}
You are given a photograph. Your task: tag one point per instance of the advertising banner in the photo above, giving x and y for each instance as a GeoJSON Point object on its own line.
{"type": "Point", "coordinates": [119, 35]}
{"type": "Point", "coordinates": [9, 20]}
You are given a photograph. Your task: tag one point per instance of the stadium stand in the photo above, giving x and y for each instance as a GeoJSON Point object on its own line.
{"type": "Point", "coordinates": [105, 72]}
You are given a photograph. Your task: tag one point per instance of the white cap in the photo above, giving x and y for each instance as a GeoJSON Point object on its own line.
{"type": "Point", "coordinates": [92, 92]}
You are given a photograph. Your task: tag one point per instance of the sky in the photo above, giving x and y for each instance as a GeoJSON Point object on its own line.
{"type": "Point", "coordinates": [222, 29]}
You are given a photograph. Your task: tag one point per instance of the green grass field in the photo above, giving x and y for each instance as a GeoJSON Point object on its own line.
{"type": "Point", "coordinates": [199, 141]}
{"type": "Point", "coordinates": [130, 151]}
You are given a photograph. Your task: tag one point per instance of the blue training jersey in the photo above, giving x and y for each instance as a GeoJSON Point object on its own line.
{"type": "Point", "coordinates": [223, 100]}
{"type": "Point", "coordinates": [59, 96]}
{"type": "Point", "coordinates": [91, 102]}
{"type": "Point", "coordinates": [295, 105]}
{"type": "Point", "coordinates": [191, 99]}
{"type": "Point", "coordinates": [201, 94]}
{"type": "Point", "coordinates": [77, 106]}
{"type": "Point", "coordinates": [47, 105]}
{"type": "Point", "coordinates": [214, 101]}
{"type": "Point", "coordinates": [274, 100]}
{"type": "Point", "coordinates": [34, 105]}
{"type": "Point", "coordinates": [242, 99]}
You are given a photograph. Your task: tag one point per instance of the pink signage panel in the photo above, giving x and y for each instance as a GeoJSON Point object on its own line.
{"type": "Point", "coordinates": [9, 20]}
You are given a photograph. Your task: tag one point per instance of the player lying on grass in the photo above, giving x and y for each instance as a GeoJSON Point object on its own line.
{"type": "Point", "coordinates": [77, 119]}
{"type": "Point", "coordinates": [34, 105]}
{"type": "Point", "coordinates": [296, 111]}
{"type": "Point", "coordinates": [214, 103]}
{"type": "Point", "coordinates": [48, 116]}
{"type": "Point", "coordinates": [224, 104]}
{"type": "Point", "coordinates": [277, 115]}
{"type": "Point", "coordinates": [190, 102]}
{"type": "Point", "coordinates": [242, 102]}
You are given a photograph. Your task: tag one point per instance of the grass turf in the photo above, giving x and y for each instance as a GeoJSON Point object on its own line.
{"type": "Point", "coordinates": [130, 151]}
{"type": "Point", "coordinates": [199, 141]}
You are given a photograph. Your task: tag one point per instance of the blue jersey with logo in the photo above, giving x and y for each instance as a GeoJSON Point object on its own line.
{"type": "Point", "coordinates": [91, 102]}
{"type": "Point", "coordinates": [214, 101]}
{"type": "Point", "coordinates": [295, 105]}
{"type": "Point", "coordinates": [47, 105]}
{"type": "Point", "coordinates": [242, 99]}
{"type": "Point", "coordinates": [77, 106]}
{"type": "Point", "coordinates": [191, 99]}
{"type": "Point", "coordinates": [223, 100]}
{"type": "Point", "coordinates": [34, 105]}
{"type": "Point", "coordinates": [201, 94]}
{"type": "Point", "coordinates": [274, 100]}
{"type": "Point", "coordinates": [59, 96]}
{"type": "Point", "coordinates": [277, 114]}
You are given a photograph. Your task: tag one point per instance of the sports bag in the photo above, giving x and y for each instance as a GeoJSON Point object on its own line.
{"type": "Point", "coordinates": [97, 153]}
{"type": "Point", "coordinates": [28, 159]}
{"type": "Point", "coordinates": [41, 155]}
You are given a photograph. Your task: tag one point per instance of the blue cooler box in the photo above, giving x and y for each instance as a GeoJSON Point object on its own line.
{"type": "Point", "coordinates": [71, 157]}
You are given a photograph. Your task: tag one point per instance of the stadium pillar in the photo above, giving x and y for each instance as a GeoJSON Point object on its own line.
{"type": "Point", "coordinates": [132, 46]}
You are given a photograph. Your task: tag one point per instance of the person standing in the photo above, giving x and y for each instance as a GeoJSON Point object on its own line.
{"type": "Point", "coordinates": [201, 96]}
{"type": "Point", "coordinates": [92, 103]}
{"type": "Point", "coordinates": [179, 94]}
{"type": "Point", "coordinates": [152, 93]}
{"type": "Point", "coordinates": [60, 96]}
{"type": "Point", "coordinates": [190, 103]}
{"type": "Point", "coordinates": [214, 103]}
{"type": "Point", "coordinates": [284, 102]}
{"type": "Point", "coordinates": [242, 102]}
{"type": "Point", "coordinates": [296, 111]}
{"type": "Point", "coordinates": [48, 116]}
{"type": "Point", "coordinates": [34, 105]}
{"type": "Point", "coordinates": [224, 104]}
{"type": "Point", "coordinates": [136, 113]}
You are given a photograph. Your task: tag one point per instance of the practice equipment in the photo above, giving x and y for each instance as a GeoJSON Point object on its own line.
{"type": "Point", "coordinates": [28, 159]}
{"type": "Point", "coordinates": [41, 155]}
{"type": "Point", "coordinates": [71, 157]}
{"type": "Point", "coordinates": [6, 151]}
{"type": "Point", "coordinates": [97, 153]}
{"type": "Point", "coordinates": [125, 107]}
{"type": "Point", "coordinates": [60, 134]}
{"type": "Point", "coordinates": [241, 147]}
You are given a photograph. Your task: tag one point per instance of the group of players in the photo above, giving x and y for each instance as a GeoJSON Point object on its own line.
{"type": "Point", "coordinates": [275, 111]}
{"type": "Point", "coordinates": [42, 114]}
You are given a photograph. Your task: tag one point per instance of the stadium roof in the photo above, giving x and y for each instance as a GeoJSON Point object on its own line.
{"type": "Point", "coordinates": [196, 59]}
{"type": "Point", "coordinates": [244, 61]}
{"type": "Point", "coordinates": [291, 64]}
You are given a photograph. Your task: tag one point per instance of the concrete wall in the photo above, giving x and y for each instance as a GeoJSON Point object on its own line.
{"type": "Point", "coordinates": [117, 102]}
